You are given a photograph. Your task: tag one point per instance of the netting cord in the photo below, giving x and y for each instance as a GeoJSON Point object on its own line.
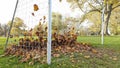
{"type": "Point", "coordinates": [11, 25]}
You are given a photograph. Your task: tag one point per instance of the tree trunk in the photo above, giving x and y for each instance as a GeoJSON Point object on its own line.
{"type": "Point", "coordinates": [107, 20]}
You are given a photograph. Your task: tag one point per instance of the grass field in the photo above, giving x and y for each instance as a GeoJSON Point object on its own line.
{"type": "Point", "coordinates": [109, 41]}
{"type": "Point", "coordinates": [109, 59]}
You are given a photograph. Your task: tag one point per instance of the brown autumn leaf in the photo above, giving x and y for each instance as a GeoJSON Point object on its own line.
{"type": "Point", "coordinates": [56, 55]}
{"type": "Point", "coordinates": [33, 14]}
{"type": "Point", "coordinates": [44, 17]}
{"type": "Point", "coordinates": [40, 19]}
{"type": "Point", "coordinates": [115, 58]}
{"type": "Point", "coordinates": [36, 8]}
{"type": "Point", "coordinates": [94, 51]}
{"type": "Point", "coordinates": [72, 60]}
{"type": "Point", "coordinates": [31, 63]}
{"type": "Point", "coordinates": [68, 48]}
{"type": "Point", "coordinates": [71, 56]}
{"type": "Point", "coordinates": [57, 49]}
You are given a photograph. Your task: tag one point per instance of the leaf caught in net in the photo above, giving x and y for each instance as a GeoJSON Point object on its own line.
{"type": "Point", "coordinates": [41, 19]}
{"type": "Point", "coordinates": [33, 14]}
{"type": "Point", "coordinates": [44, 17]}
{"type": "Point", "coordinates": [36, 8]}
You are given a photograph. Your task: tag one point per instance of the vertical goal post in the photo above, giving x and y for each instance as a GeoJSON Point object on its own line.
{"type": "Point", "coordinates": [49, 33]}
{"type": "Point", "coordinates": [102, 26]}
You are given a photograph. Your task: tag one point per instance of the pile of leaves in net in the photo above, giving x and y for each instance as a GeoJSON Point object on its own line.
{"type": "Point", "coordinates": [32, 49]}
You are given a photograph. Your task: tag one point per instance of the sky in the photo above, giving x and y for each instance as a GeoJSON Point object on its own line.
{"type": "Point", "coordinates": [25, 8]}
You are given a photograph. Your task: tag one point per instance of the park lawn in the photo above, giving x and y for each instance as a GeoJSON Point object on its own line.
{"type": "Point", "coordinates": [109, 41]}
{"type": "Point", "coordinates": [78, 60]}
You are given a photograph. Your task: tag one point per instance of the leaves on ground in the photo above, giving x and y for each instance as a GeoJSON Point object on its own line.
{"type": "Point", "coordinates": [35, 49]}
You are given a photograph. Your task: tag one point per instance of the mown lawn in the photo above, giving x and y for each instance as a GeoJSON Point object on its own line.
{"type": "Point", "coordinates": [109, 59]}
{"type": "Point", "coordinates": [109, 41]}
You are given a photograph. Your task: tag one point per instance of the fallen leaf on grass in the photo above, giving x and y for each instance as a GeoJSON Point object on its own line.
{"type": "Point", "coordinates": [68, 48]}
{"type": "Point", "coordinates": [31, 63]}
{"type": "Point", "coordinates": [87, 57]}
{"type": "Point", "coordinates": [71, 56]}
{"type": "Point", "coordinates": [72, 60]}
{"type": "Point", "coordinates": [56, 55]}
{"type": "Point", "coordinates": [110, 57]}
{"type": "Point", "coordinates": [2, 55]}
{"type": "Point", "coordinates": [94, 51]}
{"type": "Point", "coordinates": [115, 58]}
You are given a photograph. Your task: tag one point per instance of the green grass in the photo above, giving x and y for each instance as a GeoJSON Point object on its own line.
{"type": "Point", "coordinates": [64, 61]}
{"type": "Point", "coordinates": [109, 41]}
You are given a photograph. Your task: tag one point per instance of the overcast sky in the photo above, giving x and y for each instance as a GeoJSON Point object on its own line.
{"type": "Point", "coordinates": [25, 8]}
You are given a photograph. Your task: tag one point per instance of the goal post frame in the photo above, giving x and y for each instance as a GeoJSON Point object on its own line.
{"type": "Point", "coordinates": [49, 37]}
{"type": "Point", "coordinates": [8, 35]}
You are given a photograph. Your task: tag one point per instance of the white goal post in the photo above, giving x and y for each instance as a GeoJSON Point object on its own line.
{"type": "Point", "coordinates": [49, 33]}
{"type": "Point", "coordinates": [102, 26]}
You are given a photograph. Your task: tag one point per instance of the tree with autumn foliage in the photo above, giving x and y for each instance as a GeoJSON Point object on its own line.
{"type": "Point", "coordinates": [18, 26]}
{"type": "Point", "coordinates": [93, 6]}
{"type": "Point", "coordinates": [57, 22]}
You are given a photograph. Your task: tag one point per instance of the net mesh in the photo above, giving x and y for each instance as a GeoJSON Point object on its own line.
{"type": "Point", "coordinates": [31, 17]}
{"type": "Point", "coordinates": [26, 12]}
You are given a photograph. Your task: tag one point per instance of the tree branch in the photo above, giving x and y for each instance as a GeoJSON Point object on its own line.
{"type": "Point", "coordinates": [92, 5]}
{"type": "Point", "coordinates": [84, 16]}
{"type": "Point", "coordinates": [115, 7]}
{"type": "Point", "coordinates": [80, 7]}
{"type": "Point", "coordinates": [98, 2]}
{"type": "Point", "coordinates": [95, 10]}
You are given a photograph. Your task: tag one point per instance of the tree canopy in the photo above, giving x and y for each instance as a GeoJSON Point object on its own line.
{"type": "Point", "coordinates": [93, 6]}
{"type": "Point", "coordinates": [18, 26]}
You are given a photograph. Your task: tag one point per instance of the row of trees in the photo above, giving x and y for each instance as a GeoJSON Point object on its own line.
{"type": "Point", "coordinates": [91, 24]}
{"type": "Point", "coordinates": [17, 29]}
